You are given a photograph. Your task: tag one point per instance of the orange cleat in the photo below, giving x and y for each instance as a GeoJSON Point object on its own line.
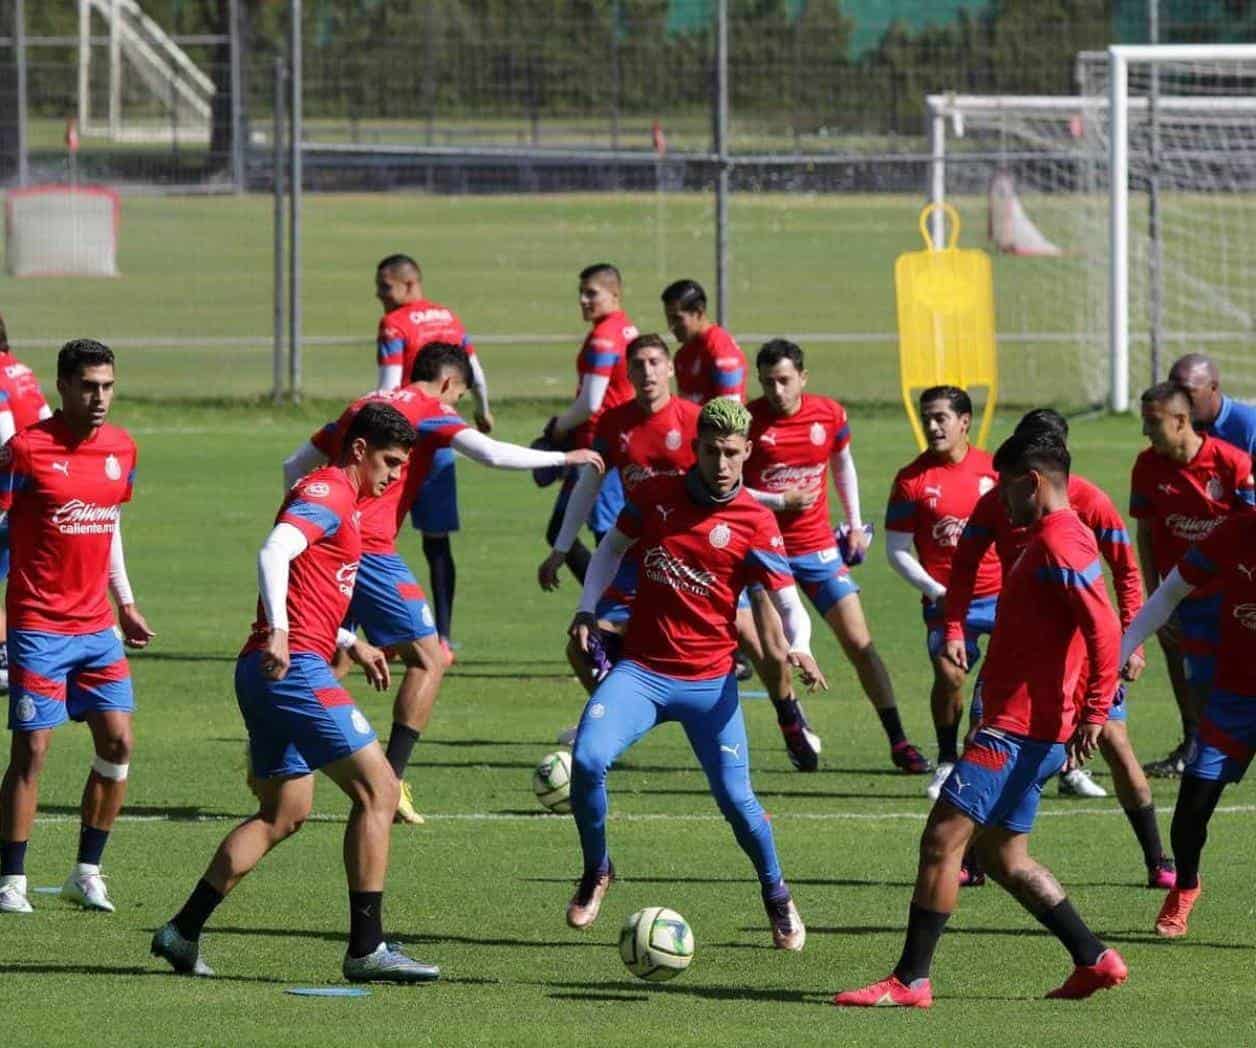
{"type": "Point", "coordinates": [1171, 924]}
{"type": "Point", "coordinates": [583, 908]}
{"type": "Point", "coordinates": [1105, 973]}
{"type": "Point", "coordinates": [888, 993]}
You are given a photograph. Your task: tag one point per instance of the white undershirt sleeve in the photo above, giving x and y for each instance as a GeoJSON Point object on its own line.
{"type": "Point", "coordinates": [306, 458]}
{"type": "Point", "coordinates": [389, 377]}
{"type": "Point", "coordinates": [587, 403]}
{"type": "Point", "coordinates": [603, 566]}
{"type": "Point", "coordinates": [1155, 613]}
{"type": "Point", "coordinates": [345, 639]}
{"type": "Point", "coordinates": [45, 412]}
{"type": "Point", "coordinates": [579, 506]}
{"type": "Point", "coordinates": [898, 548]}
{"type": "Point", "coordinates": [7, 426]}
{"type": "Point", "coordinates": [846, 481]}
{"type": "Point", "coordinates": [479, 385]}
{"type": "Point", "coordinates": [282, 545]}
{"type": "Point", "coordinates": [773, 500]}
{"type": "Point", "coordinates": [497, 454]}
{"type": "Point", "coordinates": [119, 584]}
{"type": "Point", "coordinates": [794, 618]}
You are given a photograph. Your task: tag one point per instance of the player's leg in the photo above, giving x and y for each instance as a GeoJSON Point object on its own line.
{"type": "Point", "coordinates": [1134, 794]}
{"type": "Point", "coordinates": [435, 514]}
{"type": "Point", "coordinates": [1171, 765]}
{"type": "Point", "coordinates": [710, 713]}
{"type": "Point", "coordinates": [578, 556]}
{"type": "Point", "coordinates": [19, 799]}
{"type": "Point", "coordinates": [946, 696]}
{"type": "Point", "coordinates": [623, 708]}
{"type": "Point", "coordinates": [4, 621]}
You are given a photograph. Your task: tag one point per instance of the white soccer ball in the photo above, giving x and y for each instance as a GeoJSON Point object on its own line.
{"type": "Point", "coordinates": [551, 782]}
{"type": "Point", "coordinates": [656, 944]}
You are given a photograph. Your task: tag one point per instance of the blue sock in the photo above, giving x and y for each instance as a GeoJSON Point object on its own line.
{"type": "Point", "coordinates": [13, 858]}
{"type": "Point", "coordinates": [91, 844]}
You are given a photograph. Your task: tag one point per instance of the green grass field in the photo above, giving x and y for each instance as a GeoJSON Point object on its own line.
{"type": "Point", "coordinates": [481, 889]}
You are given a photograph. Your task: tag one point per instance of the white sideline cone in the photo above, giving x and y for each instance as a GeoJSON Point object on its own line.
{"type": "Point", "coordinates": [1010, 228]}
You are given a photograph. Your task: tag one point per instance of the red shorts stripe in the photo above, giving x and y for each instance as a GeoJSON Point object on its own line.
{"type": "Point", "coordinates": [29, 680]}
{"type": "Point", "coordinates": [111, 674]}
{"type": "Point", "coordinates": [983, 757]}
{"type": "Point", "coordinates": [332, 697]}
{"type": "Point", "coordinates": [1213, 736]}
{"type": "Point", "coordinates": [410, 591]}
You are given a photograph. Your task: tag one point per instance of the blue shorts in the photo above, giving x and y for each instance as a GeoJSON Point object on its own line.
{"type": "Point", "coordinates": [55, 677]}
{"type": "Point", "coordinates": [1226, 742]}
{"type": "Point", "coordinates": [824, 577]}
{"type": "Point", "coordinates": [999, 779]}
{"type": "Point", "coordinates": [1118, 711]}
{"type": "Point", "coordinates": [298, 724]}
{"type": "Point", "coordinates": [1200, 620]}
{"type": "Point", "coordinates": [980, 620]}
{"type": "Point", "coordinates": [610, 500]}
{"type": "Point", "coordinates": [436, 509]}
{"type": "Point", "coordinates": [388, 602]}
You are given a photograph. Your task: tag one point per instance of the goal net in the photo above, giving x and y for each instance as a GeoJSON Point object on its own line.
{"type": "Point", "coordinates": [61, 231]}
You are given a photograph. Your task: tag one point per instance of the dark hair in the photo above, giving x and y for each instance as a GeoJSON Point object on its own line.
{"type": "Point", "coordinates": [399, 262]}
{"type": "Point", "coordinates": [1165, 393]}
{"type": "Point", "coordinates": [437, 357]}
{"type": "Point", "coordinates": [687, 295]}
{"type": "Point", "coordinates": [82, 353]}
{"type": "Point", "coordinates": [958, 399]}
{"type": "Point", "coordinates": [601, 271]}
{"type": "Point", "coordinates": [1044, 420]}
{"type": "Point", "coordinates": [382, 426]}
{"type": "Point", "coordinates": [646, 341]}
{"type": "Point", "coordinates": [4, 337]}
{"type": "Point", "coordinates": [1039, 450]}
{"type": "Point", "coordinates": [772, 353]}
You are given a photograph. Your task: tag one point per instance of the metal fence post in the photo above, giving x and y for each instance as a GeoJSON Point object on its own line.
{"type": "Point", "coordinates": [278, 252]}
{"type": "Point", "coordinates": [722, 289]}
{"type": "Point", "coordinates": [19, 45]}
{"type": "Point", "coordinates": [237, 101]}
{"type": "Point", "coordinates": [294, 203]}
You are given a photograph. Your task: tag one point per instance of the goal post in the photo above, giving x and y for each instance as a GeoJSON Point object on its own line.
{"type": "Point", "coordinates": [61, 231]}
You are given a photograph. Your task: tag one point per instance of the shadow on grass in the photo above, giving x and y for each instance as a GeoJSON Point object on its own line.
{"type": "Point", "coordinates": [179, 656]}
{"type": "Point", "coordinates": [824, 882]}
{"type": "Point", "coordinates": [854, 795]}
{"type": "Point", "coordinates": [579, 991]}
{"type": "Point", "coordinates": [461, 673]}
{"type": "Point", "coordinates": [614, 998]}
{"type": "Point", "coordinates": [407, 939]}
{"type": "Point", "coordinates": [174, 813]}
{"type": "Point", "coordinates": [1125, 936]}
{"type": "Point", "coordinates": [19, 968]}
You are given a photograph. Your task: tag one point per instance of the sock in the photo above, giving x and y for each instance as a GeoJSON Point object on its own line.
{"type": "Point", "coordinates": [1197, 798]}
{"type": "Point", "coordinates": [91, 844]}
{"type": "Point", "coordinates": [786, 710]}
{"type": "Point", "coordinates": [13, 858]}
{"type": "Point", "coordinates": [189, 921]}
{"type": "Point", "coordinates": [778, 892]}
{"type": "Point", "coordinates": [1147, 830]}
{"type": "Point", "coordinates": [442, 575]}
{"type": "Point", "coordinates": [893, 725]}
{"type": "Point", "coordinates": [366, 922]}
{"type": "Point", "coordinates": [4, 655]}
{"type": "Point", "coordinates": [1066, 924]}
{"type": "Point", "coordinates": [400, 746]}
{"type": "Point", "coordinates": [948, 742]}
{"type": "Point", "coordinates": [924, 929]}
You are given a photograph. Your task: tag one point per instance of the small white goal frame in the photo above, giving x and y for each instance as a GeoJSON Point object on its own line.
{"type": "Point", "coordinates": [106, 262]}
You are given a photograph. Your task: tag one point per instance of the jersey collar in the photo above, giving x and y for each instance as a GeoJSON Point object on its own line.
{"type": "Point", "coordinates": [702, 495]}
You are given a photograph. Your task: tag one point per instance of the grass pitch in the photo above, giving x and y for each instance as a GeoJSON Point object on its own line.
{"type": "Point", "coordinates": [481, 889]}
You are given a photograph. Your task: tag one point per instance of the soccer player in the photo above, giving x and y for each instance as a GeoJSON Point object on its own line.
{"type": "Point", "coordinates": [22, 404]}
{"type": "Point", "coordinates": [1223, 417]}
{"type": "Point", "coordinates": [703, 539]}
{"type": "Point", "coordinates": [1225, 558]}
{"type": "Point", "coordinates": [299, 719]}
{"type": "Point", "coordinates": [602, 372]}
{"type": "Point", "coordinates": [410, 322]}
{"type": "Point", "coordinates": [990, 525]}
{"type": "Point", "coordinates": [388, 602]}
{"type": "Point", "coordinates": [1180, 488]}
{"type": "Point", "coordinates": [709, 363]}
{"type": "Point", "coordinates": [63, 482]}
{"type": "Point", "coordinates": [1056, 624]}
{"type": "Point", "coordinates": [799, 439]}
{"type": "Point", "coordinates": [929, 506]}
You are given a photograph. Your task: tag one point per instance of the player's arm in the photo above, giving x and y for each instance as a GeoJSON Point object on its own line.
{"type": "Point", "coordinates": [302, 461]}
{"type": "Point", "coordinates": [498, 454]}
{"type": "Point", "coordinates": [8, 428]}
{"type": "Point", "coordinates": [974, 541]}
{"type": "Point", "coordinates": [134, 628]}
{"type": "Point", "coordinates": [1118, 553]}
{"type": "Point", "coordinates": [390, 352]}
{"type": "Point", "coordinates": [603, 567]}
{"type": "Point", "coordinates": [588, 402]}
{"type": "Point", "coordinates": [373, 660]}
{"type": "Point", "coordinates": [284, 544]}
{"type": "Point", "coordinates": [785, 613]}
{"type": "Point", "coordinates": [900, 533]}
{"type": "Point", "coordinates": [784, 501]}
{"type": "Point", "coordinates": [44, 411]}
{"type": "Point", "coordinates": [579, 506]}
{"type": "Point", "coordinates": [479, 390]}
{"type": "Point", "coordinates": [1156, 612]}
{"type": "Point", "coordinates": [728, 375]}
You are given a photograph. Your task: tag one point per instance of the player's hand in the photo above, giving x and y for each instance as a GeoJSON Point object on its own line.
{"type": "Point", "coordinates": [586, 457]}
{"type": "Point", "coordinates": [1133, 669]}
{"type": "Point", "coordinates": [373, 662]}
{"type": "Point", "coordinates": [547, 573]}
{"type": "Point", "coordinates": [135, 631]}
{"type": "Point", "coordinates": [799, 498]}
{"type": "Point", "coordinates": [809, 670]}
{"type": "Point", "coordinates": [581, 626]}
{"type": "Point", "coordinates": [956, 651]}
{"type": "Point", "coordinates": [484, 421]}
{"type": "Point", "coordinates": [275, 658]}
{"type": "Point", "coordinates": [857, 542]}
{"type": "Point", "coordinates": [1082, 746]}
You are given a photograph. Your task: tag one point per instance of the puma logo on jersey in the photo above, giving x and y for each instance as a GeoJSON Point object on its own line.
{"type": "Point", "coordinates": [1167, 489]}
{"type": "Point", "coordinates": [62, 467]}
{"type": "Point", "coordinates": [664, 512]}
{"type": "Point", "coordinates": [769, 438]}
{"type": "Point", "coordinates": [1248, 571]}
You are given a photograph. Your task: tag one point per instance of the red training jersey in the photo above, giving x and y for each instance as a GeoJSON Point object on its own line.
{"type": "Point", "coordinates": [696, 556]}
{"type": "Point", "coordinates": [407, 329]}
{"type": "Point", "coordinates": [435, 426]}
{"type": "Point", "coordinates": [1054, 625]}
{"type": "Point", "coordinates": [989, 523]}
{"type": "Point", "coordinates": [642, 445]}
{"type": "Point", "coordinates": [932, 500]}
{"type": "Point", "coordinates": [64, 499]}
{"type": "Point", "coordinates": [20, 392]}
{"type": "Point", "coordinates": [711, 365]}
{"type": "Point", "coordinates": [603, 353]}
{"type": "Point", "coordinates": [323, 506]}
{"type": "Point", "coordinates": [794, 451]}
{"type": "Point", "coordinates": [1185, 501]}
{"type": "Point", "coordinates": [1226, 560]}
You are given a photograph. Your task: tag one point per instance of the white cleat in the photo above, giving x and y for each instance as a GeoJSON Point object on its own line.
{"type": "Point", "coordinates": [86, 886]}
{"type": "Point", "coordinates": [567, 737]}
{"type": "Point", "coordinates": [934, 789]}
{"type": "Point", "coordinates": [13, 894]}
{"type": "Point", "coordinates": [1078, 783]}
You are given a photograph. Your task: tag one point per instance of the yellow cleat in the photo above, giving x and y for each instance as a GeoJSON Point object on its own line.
{"type": "Point", "coordinates": [405, 808]}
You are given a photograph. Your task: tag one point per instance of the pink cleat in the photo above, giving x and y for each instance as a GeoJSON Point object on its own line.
{"type": "Point", "coordinates": [1163, 874]}
{"type": "Point", "coordinates": [1171, 924]}
{"type": "Point", "coordinates": [1105, 973]}
{"type": "Point", "coordinates": [888, 993]}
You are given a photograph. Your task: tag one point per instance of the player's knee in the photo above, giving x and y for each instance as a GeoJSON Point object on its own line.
{"type": "Point", "coordinates": [30, 751]}
{"type": "Point", "coordinates": [588, 765]}
{"type": "Point", "coordinates": [116, 748]}
{"type": "Point", "coordinates": [422, 655]}
{"type": "Point", "coordinates": [738, 804]}
{"type": "Point", "coordinates": [947, 673]}
{"type": "Point", "coordinates": [936, 847]}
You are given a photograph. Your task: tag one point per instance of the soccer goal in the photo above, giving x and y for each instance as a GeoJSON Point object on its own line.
{"type": "Point", "coordinates": [61, 231]}
{"type": "Point", "coordinates": [1128, 212]}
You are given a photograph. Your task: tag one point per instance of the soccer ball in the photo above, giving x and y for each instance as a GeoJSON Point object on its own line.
{"type": "Point", "coordinates": [551, 782]}
{"type": "Point", "coordinates": [656, 944]}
